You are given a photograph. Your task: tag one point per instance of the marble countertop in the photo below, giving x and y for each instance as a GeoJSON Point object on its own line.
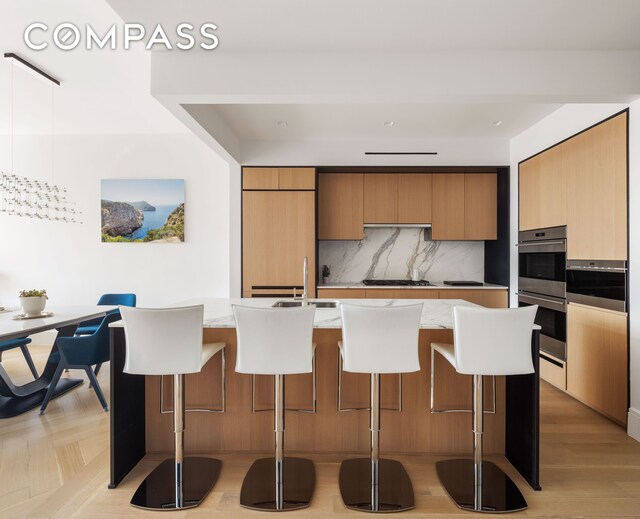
{"type": "Point", "coordinates": [436, 313]}
{"type": "Point", "coordinates": [433, 286]}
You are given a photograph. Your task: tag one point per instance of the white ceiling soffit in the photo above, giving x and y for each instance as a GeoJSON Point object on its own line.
{"type": "Point", "coordinates": [452, 64]}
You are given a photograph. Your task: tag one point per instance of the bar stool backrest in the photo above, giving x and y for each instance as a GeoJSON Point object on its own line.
{"type": "Point", "coordinates": [274, 341]}
{"type": "Point", "coordinates": [163, 341]}
{"type": "Point", "coordinates": [493, 341]}
{"type": "Point", "coordinates": [380, 339]}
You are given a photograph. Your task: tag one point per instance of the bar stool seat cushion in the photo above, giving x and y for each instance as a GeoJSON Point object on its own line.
{"type": "Point", "coordinates": [446, 350]}
{"type": "Point", "coordinates": [209, 351]}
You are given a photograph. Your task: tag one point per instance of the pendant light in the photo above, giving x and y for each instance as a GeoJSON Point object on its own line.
{"type": "Point", "coordinates": [24, 196]}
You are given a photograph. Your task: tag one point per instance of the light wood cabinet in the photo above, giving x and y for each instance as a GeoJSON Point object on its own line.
{"type": "Point", "coordinates": [296, 178]}
{"type": "Point", "coordinates": [480, 206]}
{"type": "Point", "coordinates": [381, 198]}
{"type": "Point", "coordinates": [279, 178]}
{"type": "Point", "coordinates": [341, 293]}
{"type": "Point", "coordinates": [448, 207]}
{"type": "Point", "coordinates": [597, 192]}
{"type": "Point", "coordinates": [278, 232]}
{"type": "Point", "coordinates": [597, 362]}
{"type": "Point", "coordinates": [542, 189]}
{"type": "Point", "coordinates": [401, 293]}
{"type": "Point", "coordinates": [260, 178]}
{"type": "Point", "coordinates": [490, 298]}
{"type": "Point", "coordinates": [414, 198]}
{"type": "Point", "coordinates": [465, 206]}
{"type": "Point", "coordinates": [340, 206]}
{"type": "Point", "coordinates": [553, 371]}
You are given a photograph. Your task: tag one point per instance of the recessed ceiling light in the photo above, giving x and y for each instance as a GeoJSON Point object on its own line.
{"type": "Point", "coordinates": [283, 124]}
{"type": "Point", "coordinates": [389, 124]}
{"type": "Point", "coordinates": [496, 123]}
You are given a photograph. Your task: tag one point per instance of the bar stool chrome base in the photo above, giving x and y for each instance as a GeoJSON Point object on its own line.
{"type": "Point", "coordinates": [259, 485]}
{"type": "Point", "coordinates": [394, 492]}
{"type": "Point", "coordinates": [158, 490]}
{"type": "Point", "coordinates": [496, 494]}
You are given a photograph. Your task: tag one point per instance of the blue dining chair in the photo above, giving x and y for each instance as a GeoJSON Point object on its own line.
{"type": "Point", "coordinates": [89, 327]}
{"type": "Point", "coordinates": [82, 352]}
{"type": "Point", "coordinates": [22, 344]}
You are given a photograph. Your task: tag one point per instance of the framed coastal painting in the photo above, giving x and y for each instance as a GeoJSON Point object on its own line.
{"type": "Point", "coordinates": [142, 210]}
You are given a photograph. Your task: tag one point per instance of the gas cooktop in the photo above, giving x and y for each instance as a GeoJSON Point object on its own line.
{"type": "Point", "coordinates": [396, 283]}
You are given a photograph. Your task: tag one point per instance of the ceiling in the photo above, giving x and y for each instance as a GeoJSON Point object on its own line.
{"type": "Point", "coordinates": [408, 25]}
{"type": "Point", "coordinates": [364, 121]}
{"type": "Point", "coordinates": [335, 71]}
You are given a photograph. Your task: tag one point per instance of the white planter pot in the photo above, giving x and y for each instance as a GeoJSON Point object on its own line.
{"type": "Point", "coordinates": [32, 305]}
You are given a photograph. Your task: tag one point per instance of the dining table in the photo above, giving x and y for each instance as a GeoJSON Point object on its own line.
{"type": "Point", "coordinates": [18, 399]}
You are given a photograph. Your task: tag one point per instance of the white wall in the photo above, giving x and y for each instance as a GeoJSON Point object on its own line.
{"type": "Point", "coordinates": [70, 261]}
{"type": "Point", "coordinates": [561, 124]}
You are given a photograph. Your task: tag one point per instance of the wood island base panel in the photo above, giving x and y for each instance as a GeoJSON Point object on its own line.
{"type": "Point", "coordinates": [408, 427]}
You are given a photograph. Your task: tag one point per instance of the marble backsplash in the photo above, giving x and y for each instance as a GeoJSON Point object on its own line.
{"type": "Point", "coordinates": [391, 253]}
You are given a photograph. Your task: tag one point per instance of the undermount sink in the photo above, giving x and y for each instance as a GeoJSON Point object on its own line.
{"type": "Point", "coordinates": [317, 304]}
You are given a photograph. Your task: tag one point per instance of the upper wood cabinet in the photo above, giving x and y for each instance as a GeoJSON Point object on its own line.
{"type": "Point", "coordinates": [278, 231]}
{"type": "Point", "coordinates": [414, 198]}
{"type": "Point", "coordinates": [448, 206]}
{"type": "Point", "coordinates": [340, 206]}
{"type": "Point", "coordinates": [465, 206]}
{"type": "Point", "coordinates": [381, 198]}
{"type": "Point", "coordinates": [480, 206]}
{"type": "Point", "coordinates": [279, 178]}
{"type": "Point", "coordinates": [260, 178]}
{"type": "Point", "coordinates": [543, 194]}
{"type": "Point", "coordinates": [597, 359]}
{"type": "Point", "coordinates": [596, 163]}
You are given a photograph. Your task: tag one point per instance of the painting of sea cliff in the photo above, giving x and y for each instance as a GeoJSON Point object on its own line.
{"type": "Point", "coordinates": [142, 210]}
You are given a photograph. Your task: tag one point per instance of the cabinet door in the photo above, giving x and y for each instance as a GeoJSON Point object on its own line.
{"type": "Point", "coordinates": [341, 293]}
{"type": "Point", "coordinates": [260, 178]}
{"type": "Point", "coordinates": [414, 198]}
{"type": "Point", "coordinates": [597, 359]}
{"type": "Point", "coordinates": [448, 206]}
{"type": "Point", "coordinates": [401, 293]}
{"type": "Point", "coordinates": [542, 189]}
{"type": "Point", "coordinates": [296, 178]}
{"type": "Point", "coordinates": [490, 298]}
{"type": "Point", "coordinates": [597, 193]}
{"type": "Point", "coordinates": [278, 232]}
{"type": "Point", "coordinates": [340, 206]}
{"type": "Point", "coordinates": [480, 206]}
{"type": "Point", "coordinates": [380, 198]}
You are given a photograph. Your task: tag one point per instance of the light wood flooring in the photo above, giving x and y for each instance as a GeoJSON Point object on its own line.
{"type": "Point", "coordinates": [57, 466]}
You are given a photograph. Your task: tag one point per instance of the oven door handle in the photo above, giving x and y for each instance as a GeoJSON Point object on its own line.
{"type": "Point", "coordinates": [539, 243]}
{"type": "Point", "coordinates": [550, 304]}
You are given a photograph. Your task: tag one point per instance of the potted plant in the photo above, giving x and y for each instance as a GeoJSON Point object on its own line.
{"type": "Point", "coordinates": [33, 301]}
{"type": "Point", "coordinates": [326, 274]}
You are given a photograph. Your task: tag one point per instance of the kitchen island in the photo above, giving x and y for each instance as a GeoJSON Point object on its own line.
{"type": "Point", "coordinates": [138, 426]}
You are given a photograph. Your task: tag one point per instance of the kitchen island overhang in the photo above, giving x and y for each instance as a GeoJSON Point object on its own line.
{"type": "Point", "coordinates": [138, 426]}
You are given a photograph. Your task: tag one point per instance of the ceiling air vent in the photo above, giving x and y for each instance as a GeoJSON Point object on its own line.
{"type": "Point", "coordinates": [400, 152]}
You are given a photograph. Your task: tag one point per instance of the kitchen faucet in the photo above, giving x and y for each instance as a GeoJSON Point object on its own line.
{"type": "Point", "coordinates": [305, 273]}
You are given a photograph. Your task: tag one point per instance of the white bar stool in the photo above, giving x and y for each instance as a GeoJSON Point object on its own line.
{"type": "Point", "coordinates": [492, 342]}
{"type": "Point", "coordinates": [279, 342]}
{"type": "Point", "coordinates": [168, 341]}
{"type": "Point", "coordinates": [378, 340]}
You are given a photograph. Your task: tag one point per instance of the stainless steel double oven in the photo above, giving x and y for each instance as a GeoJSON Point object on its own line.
{"type": "Point", "coordinates": [542, 256]}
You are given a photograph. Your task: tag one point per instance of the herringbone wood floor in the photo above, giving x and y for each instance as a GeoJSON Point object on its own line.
{"type": "Point", "coordinates": [58, 466]}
